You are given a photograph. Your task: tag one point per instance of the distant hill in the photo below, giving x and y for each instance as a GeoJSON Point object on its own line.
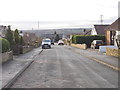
{"type": "Point", "coordinates": [64, 31]}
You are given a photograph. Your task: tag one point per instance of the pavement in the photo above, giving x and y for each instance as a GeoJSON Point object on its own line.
{"type": "Point", "coordinates": [95, 54]}
{"type": "Point", "coordinates": [63, 67]}
{"type": "Point", "coordinates": [12, 69]}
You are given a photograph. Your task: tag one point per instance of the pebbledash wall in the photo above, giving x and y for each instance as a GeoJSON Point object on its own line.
{"type": "Point", "coordinates": [81, 46]}
{"type": "Point", "coordinates": [113, 52]}
{"type": "Point", "coordinates": [6, 56]}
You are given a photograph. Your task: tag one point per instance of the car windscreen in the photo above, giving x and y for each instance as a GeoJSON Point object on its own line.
{"type": "Point", "coordinates": [46, 40]}
{"type": "Point", "coordinates": [99, 42]}
{"type": "Point", "coordinates": [60, 41]}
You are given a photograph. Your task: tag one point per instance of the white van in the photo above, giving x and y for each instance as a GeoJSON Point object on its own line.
{"type": "Point", "coordinates": [46, 43]}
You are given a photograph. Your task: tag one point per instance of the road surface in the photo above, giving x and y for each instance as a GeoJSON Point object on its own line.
{"type": "Point", "coordinates": [60, 67]}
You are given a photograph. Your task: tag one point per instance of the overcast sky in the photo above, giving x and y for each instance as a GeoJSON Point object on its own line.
{"type": "Point", "coordinates": [25, 14]}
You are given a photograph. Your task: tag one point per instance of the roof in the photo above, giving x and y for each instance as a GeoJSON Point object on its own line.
{"type": "Point", "coordinates": [100, 29]}
{"type": "Point", "coordinates": [87, 32]}
{"type": "Point", "coordinates": [2, 27]}
{"type": "Point", "coordinates": [46, 39]}
{"type": "Point", "coordinates": [114, 26]}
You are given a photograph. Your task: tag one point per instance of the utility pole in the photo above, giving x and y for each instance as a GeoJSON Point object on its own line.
{"type": "Point", "coordinates": [38, 25]}
{"type": "Point", "coordinates": [101, 19]}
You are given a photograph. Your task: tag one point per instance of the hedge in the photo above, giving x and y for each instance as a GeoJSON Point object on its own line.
{"type": "Point", "coordinates": [5, 45]}
{"type": "Point", "coordinates": [87, 39]}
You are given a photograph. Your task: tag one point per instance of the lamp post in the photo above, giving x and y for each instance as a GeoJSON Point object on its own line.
{"type": "Point", "coordinates": [28, 41]}
{"type": "Point", "coordinates": [21, 38]}
{"type": "Point", "coordinates": [21, 33]}
{"type": "Point", "coordinates": [21, 42]}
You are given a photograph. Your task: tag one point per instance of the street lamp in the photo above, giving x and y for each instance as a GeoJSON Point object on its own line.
{"type": "Point", "coordinates": [21, 33]}
{"type": "Point", "coordinates": [21, 42]}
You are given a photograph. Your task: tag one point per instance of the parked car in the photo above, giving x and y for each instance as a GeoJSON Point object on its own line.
{"type": "Point", "coordinates": [46, 43]}
{"type": "Point", "coordinates": [52, 42]}
{"type": "Point", "coordinates": [96, 43]}
{"type": "Point", "coordinates": [60, 42]}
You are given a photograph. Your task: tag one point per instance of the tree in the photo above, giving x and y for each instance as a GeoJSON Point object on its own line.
{"type": "Point", "coordinates": [57, 38]}
{"type": "Point", "coordinates": [21, 40]}
{"type": "Point", "coordinates": [9, 36]}
{"type": "Point", "coordinates": [55, 33]}
{"type": "Point", "coordinates": [16, 36]}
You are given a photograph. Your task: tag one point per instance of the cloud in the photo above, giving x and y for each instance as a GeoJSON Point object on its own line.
{"type": "Point", "coordinates": [25, 14]}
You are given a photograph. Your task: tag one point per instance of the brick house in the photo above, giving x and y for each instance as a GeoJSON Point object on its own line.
{"type": "Point", "coordinates": [112, 33]}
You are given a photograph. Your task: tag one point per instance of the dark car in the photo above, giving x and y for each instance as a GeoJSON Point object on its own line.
{"type": "Point", "coordinates": [52, 42]}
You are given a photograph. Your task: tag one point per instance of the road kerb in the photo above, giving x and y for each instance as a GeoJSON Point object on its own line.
{"type": "Point", "coordinates": [106, 64]}
{"type": "Point", "coordinates": [10, 83]}
{"type": "Point", "coordinates": [101, 62]}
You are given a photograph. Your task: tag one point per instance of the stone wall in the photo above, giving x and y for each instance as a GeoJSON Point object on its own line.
{"type": "Point", "coordinates": [27, 49]}
{"type": "Point", "coordinates": [6, 56]}
{"type": "Point", "coordinates": [81, 46]}
{"type": "Point", "coordinates": [113, 52]}
{"type": "Point", "coordinates": [16, 49]}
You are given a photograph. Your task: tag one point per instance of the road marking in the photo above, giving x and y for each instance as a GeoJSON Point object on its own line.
{"type": "Point", "coordinates": [101, 62]}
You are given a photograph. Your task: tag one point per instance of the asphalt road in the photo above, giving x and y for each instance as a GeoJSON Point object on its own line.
{"type": "Point", "coordinates": [60, 67]}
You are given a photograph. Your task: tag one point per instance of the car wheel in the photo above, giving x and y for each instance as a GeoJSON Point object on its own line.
{"type": "Point", "coordinates": [49, 46]}
{"type": "Point", "coordinates": [42, 47]}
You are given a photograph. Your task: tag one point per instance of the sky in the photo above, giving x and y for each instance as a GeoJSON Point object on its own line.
{"type": "Point", "coordinates": [41, 14]}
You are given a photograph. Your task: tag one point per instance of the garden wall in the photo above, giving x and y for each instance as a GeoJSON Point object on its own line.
{"type": "Point", "coordinates": [81, 46]}
{"type": "Point", "coordinates": [27, 49]}
{"type": "Point", "coordinates": [113, 52]}
{"type": "Point", "coordinates": [6, 56]}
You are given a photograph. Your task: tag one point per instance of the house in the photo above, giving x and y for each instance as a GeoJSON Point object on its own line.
{"type": "Point", "coordinates": [3, 30]}
{"type": "Point", "coordinates": [98, 30]}
{"type": "Point", "coordinates": [29, 38]}
{"type": "Point", "coordinates": [52, 36]}
{"type": "Point", "coordinates": [113, 33]}
{"type": "Point", "coordinates": [87, 32]}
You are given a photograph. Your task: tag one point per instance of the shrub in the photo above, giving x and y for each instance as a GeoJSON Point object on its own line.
{"type": "Point", "coordinates": [5, 45]}
{"type": "Point", "coordinates": [16, 36]}
{"type": "Point", "coordinates": [81, 39]}
{"type": "Point", "coordinates": [9, 36]}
